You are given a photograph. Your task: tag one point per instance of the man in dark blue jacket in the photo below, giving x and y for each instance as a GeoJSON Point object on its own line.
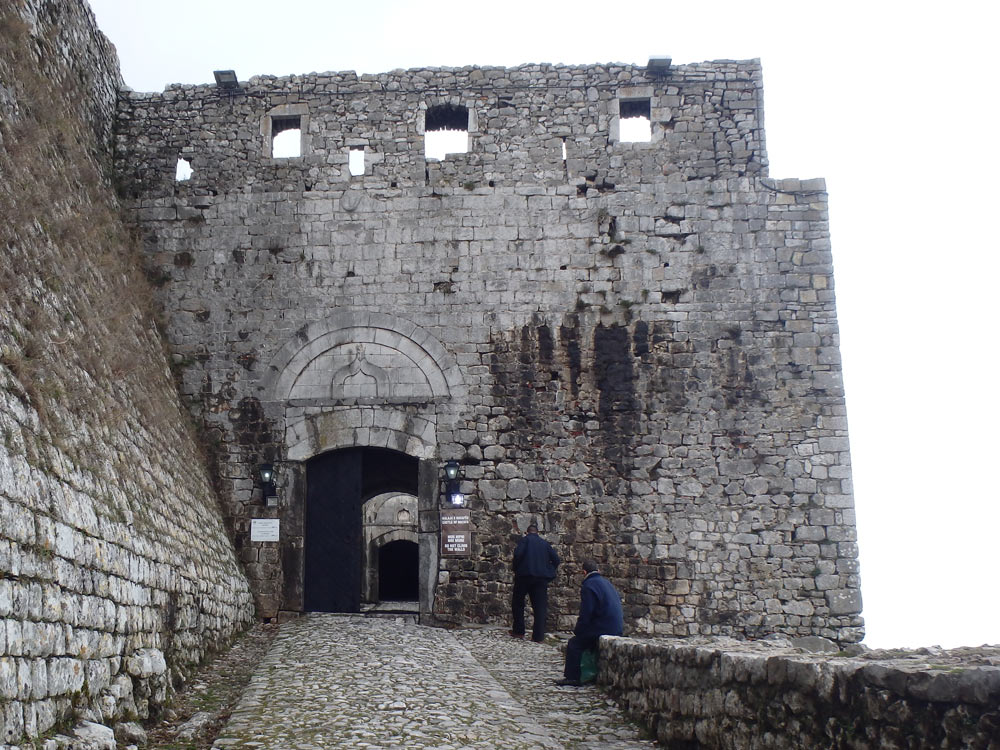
{"type": "Point", "coordinates": [600, 614]}
{"type": "Point", "coordinates": [535, 564]}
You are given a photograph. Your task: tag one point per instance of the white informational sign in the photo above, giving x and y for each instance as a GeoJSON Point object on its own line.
{"type": "Point", "coordinates": [264, 529]}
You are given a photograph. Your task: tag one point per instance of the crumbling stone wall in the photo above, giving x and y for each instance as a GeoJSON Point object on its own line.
{"type": "Point", "coordinates": [801, 694]}
{"type": "Point", "coordinates": [641, 338]}
{"type": "Point", "coordinates": [116, 572]}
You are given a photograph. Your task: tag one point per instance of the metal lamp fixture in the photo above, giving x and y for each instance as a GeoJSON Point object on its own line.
{"type": "Point", "coordinates": [452, 491]}
{"type": "Point", "coordinates": [266, 472]}
{"type": "Point", "coordinates": [227, 80]}
{"type": "Point", "coordinates": [270, 492]}
{"type": "Point", "coordinates": [658, 65]}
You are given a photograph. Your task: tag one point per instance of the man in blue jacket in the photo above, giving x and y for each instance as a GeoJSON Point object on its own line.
{"type": "Point", "coordinates": [535, 564]}
{"type": "Point", "coordinates": [600, 614]}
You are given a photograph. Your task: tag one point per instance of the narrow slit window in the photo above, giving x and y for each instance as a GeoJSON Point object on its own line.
{"type": "Point", "coordinates": [183, 172]}
{"type": "Point", "coordinates": [356, 161]}
{"type": "Point", "coordinates": [286, 137]}
{"type": "Point", "coordinates": [633, 122]}
{"type": "Point", "coordinates": [564, 149]}
{"type": "Point", "coordinates": [446, 131]}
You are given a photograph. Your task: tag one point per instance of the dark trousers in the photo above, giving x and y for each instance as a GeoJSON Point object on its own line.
{"type": "Point", "coordinates": [574, 652]}
{"type": "Point", "coordinates": [537, 590]}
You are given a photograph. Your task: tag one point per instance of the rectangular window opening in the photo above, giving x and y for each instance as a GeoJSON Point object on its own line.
{"type": "Point", "coordinates": [446, 131]}
{"type": "Point", "coordinates": [286, 137]}
{"type": "Point", "coordinates": [356, 161]}
{"type": "Point", "coordinates": [184, 171]}
{"type": "Point", "coordinates": [634, 124]}
{"type": "Point", "coordinates": [564, 149]}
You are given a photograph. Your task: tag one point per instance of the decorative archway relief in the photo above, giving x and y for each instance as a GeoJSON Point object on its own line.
{"type": "Point", "coordinates": [362, 379]}
{"type": "Point", "coordinates": [362, 358]}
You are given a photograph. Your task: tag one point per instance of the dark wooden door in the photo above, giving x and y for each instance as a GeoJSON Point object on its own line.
{"type": "Point", "coordinates": [337, 484]}
{"type": "Point", "coordinates": [333, 532]}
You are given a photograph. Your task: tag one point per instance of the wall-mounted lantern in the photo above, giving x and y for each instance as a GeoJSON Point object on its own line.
{"type": "Point", "coordinates": [453, 494]}
{"type": "Point", "coordinates": [267, 474]}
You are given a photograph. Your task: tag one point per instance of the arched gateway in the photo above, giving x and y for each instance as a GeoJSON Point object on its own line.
{"type": "Point", "coordinates": [361, 397]}
{"type": "Point", "coordinates": [338, 485]}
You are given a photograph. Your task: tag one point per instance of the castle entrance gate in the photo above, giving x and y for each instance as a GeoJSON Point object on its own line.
{"type": "Point", "coordinates": [358, 399]}
{"type": "Point", "coordinates": [337, 485]}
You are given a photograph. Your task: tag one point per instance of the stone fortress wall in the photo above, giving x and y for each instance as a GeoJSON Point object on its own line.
{"type": "Point", "coordinates": [633, 344]}
{"type": "Point", "coordinates": [116, 571]}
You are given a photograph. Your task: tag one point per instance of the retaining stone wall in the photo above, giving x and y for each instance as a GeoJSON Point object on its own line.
{"type": "Point", "coordinates": [721, 693]}
{"type": "Point", "coordinates": [640, 346]}
{"type": "Point", "coordinates": [116, 572]}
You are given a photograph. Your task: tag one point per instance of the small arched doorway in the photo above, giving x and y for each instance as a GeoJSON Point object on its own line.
{"type": "Point", "coordinates": [337, 485]}
{"type": "Point", "coordinates": [397, 571]}
{"type": "Point", "coordinates": [390, 518]}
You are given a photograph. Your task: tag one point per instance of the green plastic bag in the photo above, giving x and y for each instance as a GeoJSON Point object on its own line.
{"type": "Point", "coordinates": [588, 665]}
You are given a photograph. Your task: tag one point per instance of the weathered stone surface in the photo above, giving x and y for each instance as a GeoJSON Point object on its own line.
{"type": "Point", "coordinates": [146, 662]}
{"type": "Point", "coordinates": [130, 733]}
{"type": "Point", "coordinates": [91, 736]}
{"type": "Point", "coordinates": [633, 345]}
{"type": "Point", "coordinates": [193, 726]}
{"type": "Point", "coordinates": [815, 644]}
{"type": "Point", "coordinates": [769, 693]}
{"type": "Point", "coordinates": [110, 537]}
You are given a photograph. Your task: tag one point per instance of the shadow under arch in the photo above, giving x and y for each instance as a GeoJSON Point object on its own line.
{"type": "Point", "coordinates": [338, 484]}
{"type": "Point", "coordinates": [398, 571]}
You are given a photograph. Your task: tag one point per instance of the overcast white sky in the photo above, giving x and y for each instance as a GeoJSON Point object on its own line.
{"type": "Point", "coordinates": [893, 103]}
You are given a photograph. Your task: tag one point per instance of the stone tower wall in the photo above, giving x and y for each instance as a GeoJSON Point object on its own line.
{"type": "Point", "coordinates": [116, 572]}
{"type": "Point", "coordinates": [635, 346]}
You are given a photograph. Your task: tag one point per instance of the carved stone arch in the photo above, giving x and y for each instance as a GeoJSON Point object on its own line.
{"type": "Point", "coordinates": [394, 535]}
{"type": "Point", "coordinates": [400, 575]}
{"type": "Point", "coordinates": [361, 369]}
{"type": "Point", "coordinates": [361, 379]}
{"type": "Point", "coordinates": [424, 370]}
{"type": "Point", "coordinates": [382, 525]}
{"type": "Point", "coordinates": [374, 509]}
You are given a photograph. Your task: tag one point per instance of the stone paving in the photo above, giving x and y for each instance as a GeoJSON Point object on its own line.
{"type": "Point", "coordinates": [347, 681]}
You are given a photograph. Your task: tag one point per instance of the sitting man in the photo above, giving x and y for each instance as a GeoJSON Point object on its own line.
{"type": "Point", "coordinates": [600, 614]}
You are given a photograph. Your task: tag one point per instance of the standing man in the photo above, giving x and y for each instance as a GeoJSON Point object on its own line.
{"type": "Point", "coordinates": [600, 614]}
{"type": "Point", "coordinates": [535, 564]}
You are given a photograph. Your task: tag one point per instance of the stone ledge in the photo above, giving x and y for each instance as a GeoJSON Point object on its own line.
{"type": "Point", "coordinates": [716, 690]}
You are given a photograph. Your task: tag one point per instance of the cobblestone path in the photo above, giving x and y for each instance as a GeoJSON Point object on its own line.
{"type": "Point", "coordinates": [346, 681]}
